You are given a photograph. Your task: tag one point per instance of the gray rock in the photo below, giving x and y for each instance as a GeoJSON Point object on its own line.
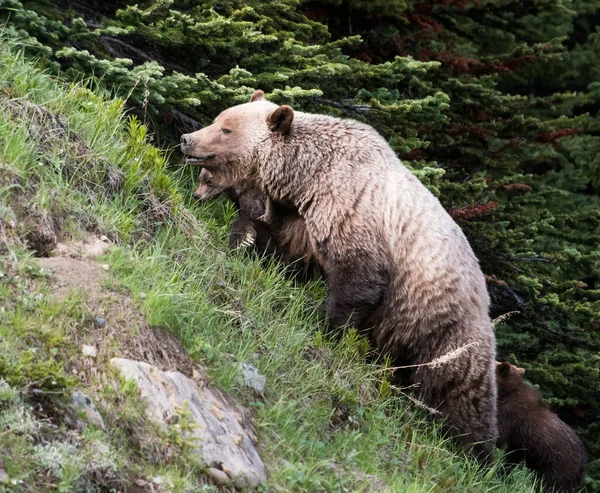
{"type": "Point", "coordinates": [90, 351]}
{"type": "Point", "coordinates": [3, 475]}
{"type": "Point", "coordinates": [85, 408]}
{"type": "Point", "coordinates": [220, 434]}
{"type": "Point", "coordinates": [249, 376]}
{"type": "Point", "coordinates": [218, 476]}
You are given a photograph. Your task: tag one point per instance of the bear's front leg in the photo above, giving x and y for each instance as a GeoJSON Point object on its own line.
{"type": "Point", "coordinates": [356, 286]}
{"type": "Point", "coordinates": [247, 233]}
{"type": "Point", "coordinates": [242, 233]}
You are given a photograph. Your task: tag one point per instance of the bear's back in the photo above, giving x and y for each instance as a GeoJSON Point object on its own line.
{"type": "Point", "coordinates": [356, 195]}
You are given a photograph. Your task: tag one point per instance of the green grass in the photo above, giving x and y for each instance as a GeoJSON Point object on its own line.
{"type": "Point", "coordinates": [73, 161]}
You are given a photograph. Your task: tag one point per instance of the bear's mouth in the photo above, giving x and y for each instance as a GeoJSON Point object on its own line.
{"type": "Point", "coordinates": [199, 159]}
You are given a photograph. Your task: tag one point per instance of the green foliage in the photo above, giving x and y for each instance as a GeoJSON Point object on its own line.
{"type": "Point", "coordinates": [492, 104]}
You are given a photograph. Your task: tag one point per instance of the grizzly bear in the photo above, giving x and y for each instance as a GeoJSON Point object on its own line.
{"type": "Point", "coordinates": [285, 235]}
{"type": "Point", "coordinates": [530, 431]}
{"type": "Point", "coordinates": [396, 265]}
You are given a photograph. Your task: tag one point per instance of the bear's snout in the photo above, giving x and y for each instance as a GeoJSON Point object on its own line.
{"type": "Point", "coordinates": [184, 143]}
{"type": "Point", "coordinates": [191, 146]}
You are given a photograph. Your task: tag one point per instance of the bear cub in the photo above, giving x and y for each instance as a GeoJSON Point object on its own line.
{"type": "Point", "coordinates": [530, 431]}
{"type": "Point", "coordinates": [268, 229]}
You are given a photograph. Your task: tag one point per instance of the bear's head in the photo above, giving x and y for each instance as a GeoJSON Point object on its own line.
{"type": "Point", "coordinates": [208, 189]}
{"type": "Point", "coordinates": [509, 377]}
{"type": "Point", "coordinates": [238, 140]}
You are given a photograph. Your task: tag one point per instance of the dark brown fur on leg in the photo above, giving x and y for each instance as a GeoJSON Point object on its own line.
{"type": "Point", "coordinates": [253, 234]}
{"type": "Point", "coordinates": [275, 230]}
{"type": "Point", "coordinates": [355, 287]}
{"type": "Point", "coordinates": [464, 406]}
{"type": "Point", "coordinates": [292, 243]}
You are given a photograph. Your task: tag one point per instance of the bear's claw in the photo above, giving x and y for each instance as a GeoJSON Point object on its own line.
{"type": "Point", "coordinates": [248, 240]}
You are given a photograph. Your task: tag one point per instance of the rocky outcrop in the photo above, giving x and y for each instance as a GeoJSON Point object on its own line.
{"type": "Point", "coordinates": [222, 436]}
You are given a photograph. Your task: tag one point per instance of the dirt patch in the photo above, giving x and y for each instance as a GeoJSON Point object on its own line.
{"type": "Point", "coordinates": [88, 248]}
{"type": "Point", "coordinates": [72, 275]}
{"type": "Point", "coordinates": [119, 329]}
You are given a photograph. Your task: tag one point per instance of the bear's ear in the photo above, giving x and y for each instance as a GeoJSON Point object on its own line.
{"type": "Point", "coordinates": [520, 371]}
{"type": "Point", "coordinates": [281, 120]}
{"type": "Point", "coordinates": [503, 368]}
{"type": "Point", "coordinates": [257, 95]}
{"type": "Point", "coordinates": [205, 175]}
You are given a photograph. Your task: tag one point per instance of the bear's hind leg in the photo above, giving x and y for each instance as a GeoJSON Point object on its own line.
{"type": "Point", "coordinates": [356, 285]}
{"type": "Point", "coordinates": [467, 402]}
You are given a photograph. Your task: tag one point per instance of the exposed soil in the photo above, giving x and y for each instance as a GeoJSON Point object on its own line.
{"type": "Point", "coordinates": [119, 328]}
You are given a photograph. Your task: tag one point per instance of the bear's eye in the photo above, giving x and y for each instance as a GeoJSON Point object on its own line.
{"type": "Point", "coordinates": [226, 131]}
{"type": "Point", "coordinates": [209, 183]}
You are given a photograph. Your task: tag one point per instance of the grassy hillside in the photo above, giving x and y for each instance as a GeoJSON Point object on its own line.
{"type": "Point", "coordinates": [72, 163]}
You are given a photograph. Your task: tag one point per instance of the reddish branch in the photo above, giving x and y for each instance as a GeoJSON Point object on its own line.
{"type": "Point", "coordinates": [482, 133]}
{"type": "Point", "coordinates": [479, 115]}
{"type": "Point", "coordinates": [503, 66]}
{"type": "Point", "coordinates": [470, 212]}
{"type": "Point", "coordinates": [425, 23]}
{"type": "Point", "coordinates": [556, 134]}
{"type": "Point", "coordinates": [364, 56]}
{"type": "Point", "coordinates": [492, 279]}
{"type": "Point", "coordinates": [515, 187]}
{"type": "Point", "coordinates": [510, 187]}
{"type": "Point", "coordinates": [413, 155]}
{"type": "Point", "coordinates": [458, 64]}
{"type": "Point", "coordinates": [465, 65]}
{"type": "Point", "coordinates": [316, 14]}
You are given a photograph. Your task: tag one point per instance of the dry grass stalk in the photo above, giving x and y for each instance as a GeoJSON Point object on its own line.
{"type": "Point", "coordinates": [441, 360]}
{"type": "Point", "coordinates": [421, 404]}
{"type": "Point", "coordinates": [503, 317]}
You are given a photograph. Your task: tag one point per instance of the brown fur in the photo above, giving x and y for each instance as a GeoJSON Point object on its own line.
{"type": "Point", "coordinates": [208, 190]}
{"type": "Point", "coordinates": [292, 243]}
{"type": "Point", "coordinates": [396, 264]}
{"type": "Point", "coordinates": [531, 431]}
{"type": "Point", "coordinates": [282, 234]}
